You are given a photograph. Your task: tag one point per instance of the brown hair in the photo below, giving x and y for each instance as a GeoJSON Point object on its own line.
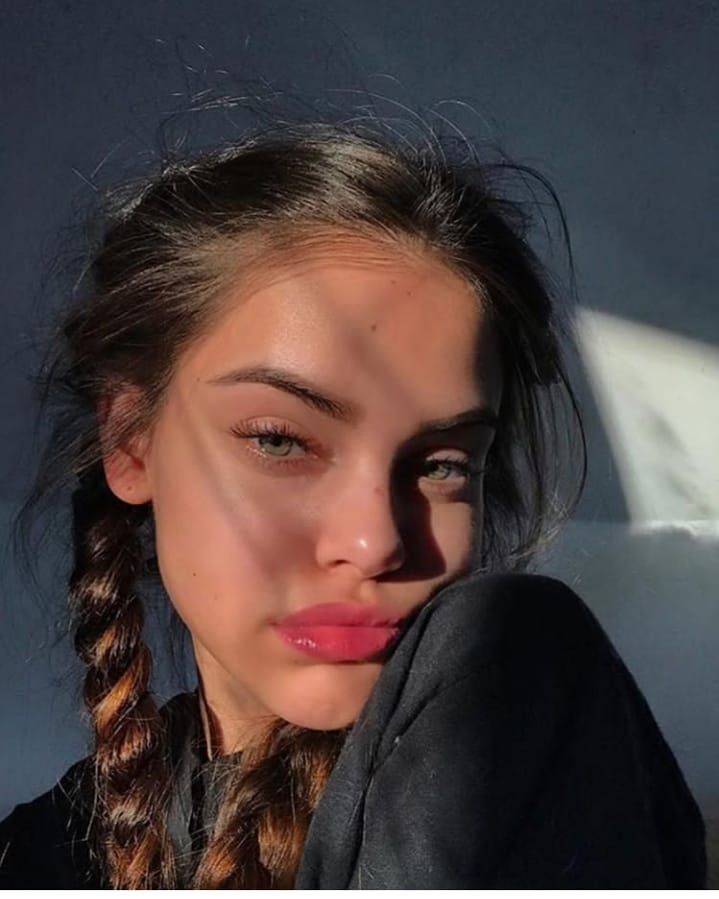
{"type": "Point", "coordinates": [168, 250]}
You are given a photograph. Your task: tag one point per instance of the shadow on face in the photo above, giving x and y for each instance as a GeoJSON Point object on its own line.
{"type": "Point", "coordinates": [322, 443]}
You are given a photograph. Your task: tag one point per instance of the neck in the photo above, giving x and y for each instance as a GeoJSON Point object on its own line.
{"type": "Point", "coordinates": [210, 725]}
{"type": "Point", "coordinates": [226, 731]}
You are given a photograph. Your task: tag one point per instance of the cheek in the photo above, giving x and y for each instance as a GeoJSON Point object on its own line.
{"type": "Point", "coordinates": [225, 548]}
{"type": "Point", "coordinates": [451, 531]}
{"type": "Point", "coordinates": [475, 526]}
{"type": "Point", "coordinates": [462, 540]}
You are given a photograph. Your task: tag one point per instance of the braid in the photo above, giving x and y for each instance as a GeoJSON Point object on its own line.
{"type": "Point", "coordinates": [262, 823]}
{"type": "Point", "coordinates": [131, 773]}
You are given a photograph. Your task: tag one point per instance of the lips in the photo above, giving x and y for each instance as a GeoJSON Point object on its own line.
{"type": "Point", "coordinates": [342, 613]}
{"type": "Point", "coordinates": [340, 632]}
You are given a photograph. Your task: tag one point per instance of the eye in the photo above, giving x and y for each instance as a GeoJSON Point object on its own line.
{"type": "Point", "coordinates": [446, 477]}
{"type": "Point", "coordinates": [461, 467]}
{"type": "Point", "coordinates": [272, 442]}
{"type": "Point", "coordinates": [271, 437]}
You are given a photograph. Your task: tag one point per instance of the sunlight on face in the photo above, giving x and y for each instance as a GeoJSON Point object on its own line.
{"type": "Point", "coordinates": [343, 501]}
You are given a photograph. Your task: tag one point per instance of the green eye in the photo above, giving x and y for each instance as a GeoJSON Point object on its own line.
{"type": "Point", "coordinates": [462, 468]}
{"type": "Point", "coordinates": [274, 437]}
{"type": "Point", "coordinates": [278, 438]}
{"type": "Point", "coordinates": [435, 465]}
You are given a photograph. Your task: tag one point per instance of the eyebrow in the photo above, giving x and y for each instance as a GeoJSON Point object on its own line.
{"type": "Point", "coordinates": [341, 409]}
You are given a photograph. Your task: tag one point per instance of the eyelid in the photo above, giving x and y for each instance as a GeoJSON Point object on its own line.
{"type": "Point", "coordinates": [269, 429]}
{"type": "Point", "coordinates": [468, 466]}
{"type": "Point", "coordinates": [428, 443]}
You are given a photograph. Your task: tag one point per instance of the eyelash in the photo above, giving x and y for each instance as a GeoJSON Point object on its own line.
{"type": "Point", "coordinates": [468, 470]}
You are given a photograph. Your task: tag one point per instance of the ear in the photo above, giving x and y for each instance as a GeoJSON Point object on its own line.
{"type": "Point", "coordinates": [126, 466]}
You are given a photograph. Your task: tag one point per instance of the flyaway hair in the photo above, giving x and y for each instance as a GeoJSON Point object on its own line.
{"type": "Point", "coordinates": [170, 249]}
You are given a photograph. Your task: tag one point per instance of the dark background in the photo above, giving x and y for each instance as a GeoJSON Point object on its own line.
{"type": "Point", "coordinates": [616, 102]}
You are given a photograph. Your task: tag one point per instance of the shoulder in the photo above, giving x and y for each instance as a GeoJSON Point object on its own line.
{"type": "Point", "coordinates": [521, 749]}
{"type": "Point", "coordinates": [528, 626]}
{"type": "Point", "coordinates": [511, 641]}
{"type": "Point", "coordinates": [491, 605]}
{"type": "Point", "coordinates": [524, 644]}
{"type": "Point", "coordinates": [42, 842]}
{"type": "Point", "coordinates": [508, 654]}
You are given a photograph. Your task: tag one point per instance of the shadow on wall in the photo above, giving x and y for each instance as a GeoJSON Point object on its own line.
{"type": "Point", "coordinates": [652, 580]}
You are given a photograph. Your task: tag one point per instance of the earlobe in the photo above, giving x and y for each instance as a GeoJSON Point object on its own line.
{"type": "Point", "coordinates": [125, 465]}
{"type": "Point", "coordinates": [127, 477]}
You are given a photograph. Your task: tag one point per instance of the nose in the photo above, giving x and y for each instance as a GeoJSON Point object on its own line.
{"type": "Point", "coordinates": [361, 531]}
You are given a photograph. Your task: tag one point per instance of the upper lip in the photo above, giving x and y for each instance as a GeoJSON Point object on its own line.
{"type": "Point", "coordinates": [342, 613]}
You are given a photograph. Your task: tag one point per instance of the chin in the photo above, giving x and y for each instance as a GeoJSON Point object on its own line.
{"type": "Point", "coordinates": [332, 704]}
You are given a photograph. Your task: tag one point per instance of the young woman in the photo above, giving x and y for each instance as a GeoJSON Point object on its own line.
{"type": "Point", "coordinates": [312, 386]}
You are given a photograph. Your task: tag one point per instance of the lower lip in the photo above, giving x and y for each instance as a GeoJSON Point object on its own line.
{"type": "Point", "coordinates": [338, 643]}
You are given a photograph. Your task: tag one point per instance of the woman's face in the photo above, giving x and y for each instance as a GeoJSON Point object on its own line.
{"type": "Point", "coordinates": [355, 502]}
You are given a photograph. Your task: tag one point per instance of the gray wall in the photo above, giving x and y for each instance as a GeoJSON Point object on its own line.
{"type": "Point", "coordinates": [614, 101]}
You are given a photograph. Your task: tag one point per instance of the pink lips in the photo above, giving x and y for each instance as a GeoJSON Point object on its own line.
{"type": "Point", "coordinates": [339, 632]}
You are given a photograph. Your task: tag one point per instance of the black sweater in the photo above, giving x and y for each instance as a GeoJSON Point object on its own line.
{"type": "Point", "coordinates": [505, 745]}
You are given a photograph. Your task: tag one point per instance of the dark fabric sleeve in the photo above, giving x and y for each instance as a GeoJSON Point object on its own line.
{"type": "Point", "coordinates": [540, 766]}
{"type": "Point", "coordinates": [42, 842]}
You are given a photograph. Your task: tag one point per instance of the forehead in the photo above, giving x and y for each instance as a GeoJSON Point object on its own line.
{"type": "Point", "coordinates": [369, 318]}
